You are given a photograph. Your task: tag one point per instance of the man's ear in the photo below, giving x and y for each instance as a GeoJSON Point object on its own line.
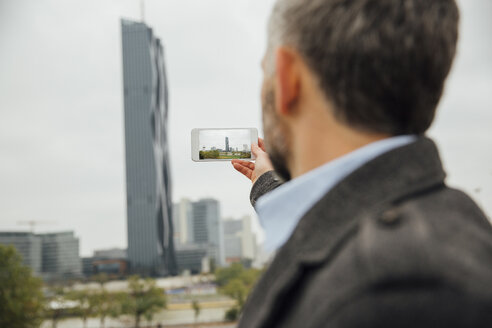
{"type": "Point", "coordinates": [287, 80]}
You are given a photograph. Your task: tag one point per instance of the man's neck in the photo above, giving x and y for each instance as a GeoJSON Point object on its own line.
{"type": "Point", "coordinates": [312, 149]}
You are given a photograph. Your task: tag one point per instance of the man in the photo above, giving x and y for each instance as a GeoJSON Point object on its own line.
{"type": "Point", "coordinates": [366, 232]}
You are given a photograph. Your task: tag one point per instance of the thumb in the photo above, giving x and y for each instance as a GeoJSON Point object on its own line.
{"type": "Point", "coordinates": [256, 150]}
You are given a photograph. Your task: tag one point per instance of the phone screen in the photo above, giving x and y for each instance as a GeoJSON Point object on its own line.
{"type": "Point", "coordinates": [224, 144]}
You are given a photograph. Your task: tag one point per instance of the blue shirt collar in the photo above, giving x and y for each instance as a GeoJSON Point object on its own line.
{"type": "Point", "coordinates": [280, 210]}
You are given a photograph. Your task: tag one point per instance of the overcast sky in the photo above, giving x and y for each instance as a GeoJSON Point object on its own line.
{"type": "Point", "coordinates": [61, 106]}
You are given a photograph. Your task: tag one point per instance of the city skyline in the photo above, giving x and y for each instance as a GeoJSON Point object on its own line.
{"type": "Point", "coordinates": [66, 162]}
{"type": "Point", "coordinates": [201, 234]}
{"type": "Point", "coordinates": [209, 139]}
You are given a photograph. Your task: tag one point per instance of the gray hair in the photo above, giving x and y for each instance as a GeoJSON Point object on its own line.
{"type": "Point", "coordinates": [382, 63]}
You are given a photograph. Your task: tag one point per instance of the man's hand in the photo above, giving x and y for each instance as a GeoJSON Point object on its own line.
{"type": "Point", "coordinates": [262, 164]}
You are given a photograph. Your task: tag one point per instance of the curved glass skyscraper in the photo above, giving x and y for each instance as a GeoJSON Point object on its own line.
{"type": "Point", "coordinates": [148, 181]}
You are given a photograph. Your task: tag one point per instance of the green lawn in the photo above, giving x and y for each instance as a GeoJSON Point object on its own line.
{"type": "Point", "coordinates": [214, 154]}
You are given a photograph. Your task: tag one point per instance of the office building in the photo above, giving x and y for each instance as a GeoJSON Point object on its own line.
{"type": "Point", "coordinates": [239, 240]}
{"type": "Point", "coordinates": [28, 245]}
{"type": "Point", "coordinates": [111, 253]}
{"type": "Point", "coordinates": [227, 144]}
{"type": "Point", "coordinates": [60, 256]}
{"type": "Point", "coordinates": [182, 222]}
{"type": "Point", "coordinates": [198, 224]}
{"type": "Point", "coordinates": [112, 262]}
{"type": "Point", "coordinates": [54, 256]}
{"type": "Point", "coordinates": [87, 268]}
{"type": "Point", "coordinates": [112, 267]}
{"type": "Point", "coordinates": [192, 258]}
{"type": "Point", "coordinates": [148, 182]}
{"type": "Point", "coordinates": [207, 228]}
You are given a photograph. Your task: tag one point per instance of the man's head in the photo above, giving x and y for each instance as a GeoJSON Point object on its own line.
{"type": "Point", "coordinates": [367, 67]}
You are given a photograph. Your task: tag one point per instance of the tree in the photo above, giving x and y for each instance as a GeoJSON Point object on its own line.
{"type": "Point", "coordinates": [250, 277]}
{"type": "Point", "coordinates": [86, 303]}
{"type": "Point", "coordinates": [223, 275]}
{"type": "Point", "coordinates": [236, 282]}
{"type": "Point", "coordinates": [232, 314]}
{"type": "Point", "coordinates": [247, 277]}
{"type": "Point", "coordinates": [149, 316]}
{"type": "Point", "coordinates": [212, 265]}
{"type": "Point", "coordinates": [106, 304]}
{"type": "Point", "coordinates": [144, 299]}
{"type": "Point", "coordinates": [196, 307]}
{"type": "Point", "coordinates": [21, 297]}
{"type": "Point", "coordinates": [56, 306]}
{"type": "Point", "coordinates": [109, 305]}
{"type": "Point", "coordinates": [237, 290]}
{"type": "Point", "coordinates": [101, 279]}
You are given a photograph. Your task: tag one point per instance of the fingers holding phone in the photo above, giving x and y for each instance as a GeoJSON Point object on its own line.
{"type": "Point", "coordinates": [238, 145]}
{"type": "Point", "coordinates": [254, 170]}
{"type": "Point", "coordinates": [261, 144]}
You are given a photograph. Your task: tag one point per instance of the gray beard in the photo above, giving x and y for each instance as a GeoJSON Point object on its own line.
{"type": "Point", "coordinates": [276, 142]}
{"type": "Point", "coordinates": [278, 163]}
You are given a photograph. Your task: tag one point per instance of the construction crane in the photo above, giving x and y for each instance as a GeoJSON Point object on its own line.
{"type": "Point", "coordinates": [142, 10]}
{"type": "Point", "coordinates": [34, 223]}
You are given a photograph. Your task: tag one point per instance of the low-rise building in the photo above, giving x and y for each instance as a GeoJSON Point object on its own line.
{"type": "Point", "coordinates": [60, 256]}
{"type": "Point", "coordinates": [112, 262]}
{"type": "Point", "coordinates": [54, 256]}
{"type": "Point", "coordinates": [192, 258]}
{"type": "Point", "coordinates": [28, 245]}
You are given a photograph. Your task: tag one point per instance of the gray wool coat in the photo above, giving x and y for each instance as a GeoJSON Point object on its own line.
{"type": "Point", "coordinates": [389, 246]}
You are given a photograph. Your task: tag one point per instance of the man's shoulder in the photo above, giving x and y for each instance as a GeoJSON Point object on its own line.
{"type": "Point", "coordinates": [440, 234]}
{"type": "Point", "coordinates": [439, 242]}
{"type": "Point", "coordinates": [433, 218]}
{"type": "Point", "coordinates": [392, 227]}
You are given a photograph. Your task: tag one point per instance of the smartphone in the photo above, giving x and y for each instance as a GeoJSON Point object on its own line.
{"type": "Point", "coordinates": [209, 145]}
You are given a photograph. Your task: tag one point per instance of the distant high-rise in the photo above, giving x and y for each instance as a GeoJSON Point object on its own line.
{"type": "Point", "coordinates": [199, 227]}
{"type": "Point", "coordinates": [207, 228]}
{"type": "Point", "coordinates": [227, 143]}
{"type": "Point", "coordinates": [183, 225]}
{"type": "Point", "coordinates": [239, 240]}
{"type": "Point", "coordinates": [148, 184]}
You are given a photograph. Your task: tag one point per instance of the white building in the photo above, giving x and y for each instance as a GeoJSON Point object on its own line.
{"type": "Point", "coordinates": [183, 228]}
{"type": "Point", "coordinates": [239, 240]}
{"type": "Point", "coordinates": [199, 223]}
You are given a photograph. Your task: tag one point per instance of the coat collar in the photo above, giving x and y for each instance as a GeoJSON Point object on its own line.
{"type": "Point", "coordinates": [381, 182]}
